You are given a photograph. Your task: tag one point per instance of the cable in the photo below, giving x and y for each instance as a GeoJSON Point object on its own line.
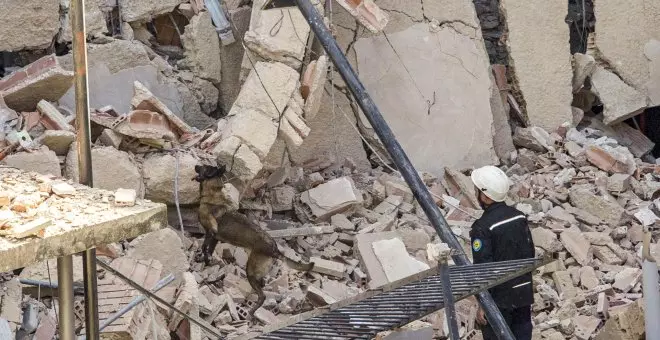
{"type": "Point", "coordinates": [176, 191]}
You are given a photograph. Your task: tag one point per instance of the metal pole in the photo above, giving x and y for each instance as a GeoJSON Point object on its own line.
{"type": "Point", "coordinates": [84, 157]}
{"type": "Point", "coordinates": [399, 157]}
{"type": "Point", "coordinates": [650, 289]}
{"type": "Point", "coordinates": [65, 289]}
{"type": "Point", "coordinates": [448, 297]}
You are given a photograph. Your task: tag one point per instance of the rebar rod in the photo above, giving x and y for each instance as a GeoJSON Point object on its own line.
{"type": "Point", "coordinates": [399, 156]}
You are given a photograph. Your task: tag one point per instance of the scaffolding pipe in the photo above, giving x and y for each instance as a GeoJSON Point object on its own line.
{"type": "Point", "coordinates": [84, 152]}
{"type": "Point", "coordinates": [65, 289]}
{"type": "Point", "coordinates": [399, 157]}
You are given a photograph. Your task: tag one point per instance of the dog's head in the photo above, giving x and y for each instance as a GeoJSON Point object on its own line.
{"type": "Point", "coordinates": [206, 172]}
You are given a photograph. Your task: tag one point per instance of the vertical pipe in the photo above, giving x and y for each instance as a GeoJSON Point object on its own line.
{"type": "Point", "coordinates": [399, 157]}
{"type": "Point", "coordinates": [448, 297]}
{"type": "Point", "coordinates": [65, 290]}
{"type": "Point", "coordinates": [84, 142]}
{"type": "Point", "coordinates": [650, 289]}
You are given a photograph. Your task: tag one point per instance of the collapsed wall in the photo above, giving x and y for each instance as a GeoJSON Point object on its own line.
{"type": "Point", "coordinates": [429, 75]}
{"type": "Point", "coordinates": [539, 60]}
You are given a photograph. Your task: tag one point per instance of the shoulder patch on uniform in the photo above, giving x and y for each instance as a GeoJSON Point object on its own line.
{"type": "Point", "coordinates": [476, 244]}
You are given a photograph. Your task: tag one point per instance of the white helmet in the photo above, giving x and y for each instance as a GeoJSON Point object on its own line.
{"type": "Point", "coordinates": [492, 181]}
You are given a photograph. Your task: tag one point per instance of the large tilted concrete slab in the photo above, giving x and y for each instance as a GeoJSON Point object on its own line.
{"type": "Point", "coordinates": [540, 58]}
{"type": "Point", "coordinates": [626, 43]}
{"type": "Point", "coordinates": [79, 221]}
{"type": "Point", "coordinates": [433, 87]}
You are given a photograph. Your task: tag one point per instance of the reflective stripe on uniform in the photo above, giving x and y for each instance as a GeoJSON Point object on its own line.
{"type": "Point", "coordinates": [506, 221]}
{"type": "Point", "coordinates": [522, 284]}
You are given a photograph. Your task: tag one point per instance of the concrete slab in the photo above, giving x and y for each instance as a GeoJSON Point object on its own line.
{"type": "Point", "coordinates": [542, 75]}
{"type": "Point", "coordinates": [621, 41]}
{"type": "Point", "coordinates": [44, 79]}
{"type": "Point", "coordinates": [92, 220]}
{"type": "Point", "coordinates": [396, 261]}
{"type": "Point", "coordinates": [280, 34]}
{"type": "Point", "coordinates": [432, 85]}
{"type": "Point", "coordinates": [202, 48]}
{"type": "Point", "coordinates": [620, 101]}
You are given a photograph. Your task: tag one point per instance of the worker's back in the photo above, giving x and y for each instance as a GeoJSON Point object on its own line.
{"type": "Point", "coordinates": [502, 234]}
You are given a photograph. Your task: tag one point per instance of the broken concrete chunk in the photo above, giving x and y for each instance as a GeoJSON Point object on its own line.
{"type": "Point", "coordinates": [286, 44]}
{"type": "Point", "coordinates": [254, 129]}
{"type": "Point", "coordinates": [604, 207]}
{"type": "Point", "coordinates": [150, 247]}
{"type": "Point", "coordinates": [57, 140]}
{"type": "Point", "coordinates": [110, 138]}
{"type": "Point", "coordinates": [588, 278]}
{"type": "Point", "coordinates": [62, 189]}
{"type": "Point", "coordinates": [202, 47]}
{"type": "Point", "coordinates": [584, 66]}
{"type": "Point", "coordinates": [282, 198]}
{"type": "Point", "coordinates": [43, 161]}
{"type": "Point", "coordinates": [606, 161]}
{"type": "Point", "coordinates": [331, 268]}
{"type": "Point", "coordinates": [125, 197]}
{"type": "Point", "coordinates": [367, 13]}
{"type": "Point", "coordinates": [625, 280]}
{"type": "Point", "coordinates": [341, 221]}
{"type": "Point", "coordinates": [330, 198]}
{"type": "Point", "coordinates": [159, 174]}
{"type": "Point", "coordinates": [29, 25]}
{"type": "Point", "coordinates": [145, 10]}
{"type": "Point", "coordinates": [533, 138]}
{"type": "Point", "coordinates": [564, 284]}
{"type": "Point", "coordinates": [395, 260]}
{"type": "Point", "coordinates": [625, 323]}
{"type": "Point", "coordinates": [619, 100]}
{"type": "Point", "coordinates": [313, 86]}
{"type": "Point", "coordinates": [143, 99]}
{"type": "Point", "coordinates": [111, 169]}
{"type": "Point", "coordinates": [44, 79]}
{"type": "Point", "coordinates": [646, 216]}
{"type": "Point", "coordinates": [607, 255]}
{"type": "Point", "coordinates": [244, 163]}
{"type": "Point", "coordinates": [578, 246]}
{"type": "Point", "coordinates": [546, 239]}
{"type": "Point", "coordinates": [618, 183]}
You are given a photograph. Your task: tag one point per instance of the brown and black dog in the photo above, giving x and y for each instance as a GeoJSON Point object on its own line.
{"type": "Point", "coordinates": [235, 228]}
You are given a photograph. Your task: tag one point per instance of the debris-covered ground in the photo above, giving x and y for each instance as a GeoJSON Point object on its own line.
{"type": "Point", "coordinates": [171, 87]}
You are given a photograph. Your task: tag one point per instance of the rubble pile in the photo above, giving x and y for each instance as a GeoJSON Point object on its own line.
{"type": "Point", "coordinates": [171, 87]}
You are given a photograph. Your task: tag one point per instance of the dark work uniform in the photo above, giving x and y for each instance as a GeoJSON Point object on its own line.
{"type": "Point", "coordinates": [502, 234]}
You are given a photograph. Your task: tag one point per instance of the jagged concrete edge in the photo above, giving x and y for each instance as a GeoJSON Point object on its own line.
{"type": "Point", "coordinates": [79, 239]}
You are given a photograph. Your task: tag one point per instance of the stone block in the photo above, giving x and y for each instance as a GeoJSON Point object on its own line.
{"type": "Point", "coordinates": [331, 268]}
{"type": "Point", "coordinates": [625, 323]}
{"type": "Point", "coordinates": [286, 44]}
{"type": "Point", "coordinates": [625, 44]}
{"type": "Point", "coordinates": [57, 140]}
{"type": "Point", "coordinates": [578, 246]}
{"type": "Point", "coordinates": [44, 79]}
{"type": "Point", "coordinates": [588, 278]}
{"type": "Point", "coordinates": [403, 87]}
{"type": "Point", "coordinates": [29, 24]}
{"type": "Point", "coordinates": [330, 198]}
{"type": "Point", "coordinates": [43, 161]}
{"type": "Point", "coordinates": [111, 169]}
{"type": "Point", "coordinates": [542, 76]}
{"type": "Point", "coordinates": [238, 157]}
{"type": "Point", "coordinates": [395, 260]}
{"type": "Point", "coordinates": [546, 239]}
{"type": "Point", "coordinates": [145, 10]}
{"type": "Point", "coordinates": [618, 183]}
{"type": "Point", "coordinates": [160, 172]}
{"type": "Point", "coordinates": [620, 101]}
{"type": "Point", "coordinates": [150, 246]}
{"type": "Point", "coordinates": [254, 129]}
{"type": "Point", "coordinates": [604, 207]}
{"type": "Point", "coordinates": [564, 284]}
{"type": "Point", "coordinates": [110, 138]}
{"type": "Point", "coordinates": [202, 47]}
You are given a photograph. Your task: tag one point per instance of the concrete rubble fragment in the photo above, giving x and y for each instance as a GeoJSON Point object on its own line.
{"type": "Point", "coordinates": [333, 197]}
{"type": "Point", "coordinates": [367, 13]}
{"type": "Point", "coordinates": [620, 100]}
{"type": "Point", "coordinates": [44, 79]}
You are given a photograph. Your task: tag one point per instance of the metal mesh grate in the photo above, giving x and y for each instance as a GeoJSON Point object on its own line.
{"type": "Point", "coordinates": [397, 304]}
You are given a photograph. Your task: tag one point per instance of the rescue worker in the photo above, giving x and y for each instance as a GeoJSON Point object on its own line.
{"type": "Point", "coordinates": [502, 234]}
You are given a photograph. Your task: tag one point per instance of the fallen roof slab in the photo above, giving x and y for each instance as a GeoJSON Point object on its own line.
{"type": "Point", "coordinates": [78, 222]}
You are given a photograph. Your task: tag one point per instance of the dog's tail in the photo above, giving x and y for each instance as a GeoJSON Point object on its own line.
{"type": "Point", "coordinates": [303, 267]}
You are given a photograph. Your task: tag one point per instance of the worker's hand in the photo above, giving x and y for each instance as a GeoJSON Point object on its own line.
{"type": "Point", "coordinates": [481, 317]}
